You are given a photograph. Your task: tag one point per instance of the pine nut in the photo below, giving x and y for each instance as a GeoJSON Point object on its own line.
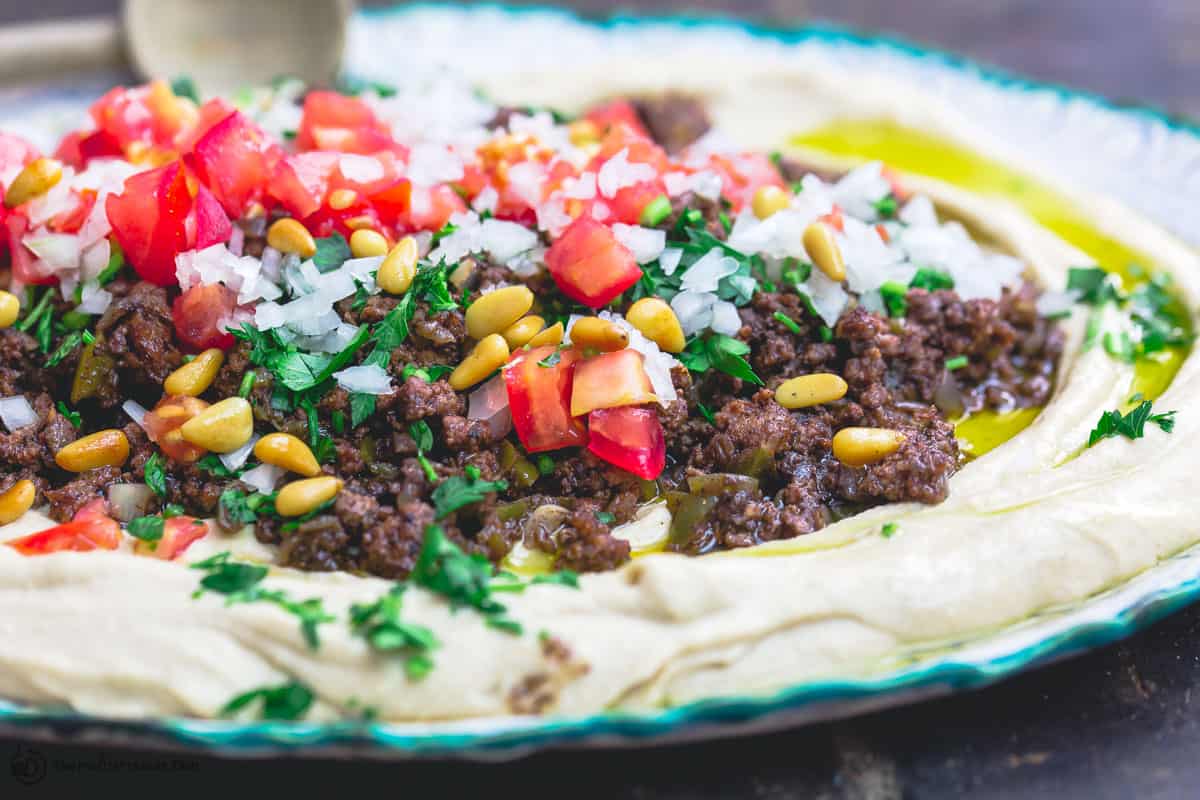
{"type": "Point", "coordinates": [397, 271]}
{"type": "Point", "coordinates": [287, 451]}
{"type": "Point", "coordinates": [551, 336]}
{"type": "Point", "coordinates": [108, 448]}
{"type": "Point", "coordinates": [593, 333]}
{"type": "Point", "coordinates": [810, 390]}
{"type": "Point", "coordinates": [195, 376]}
{"type": "Point", "coordinates": [341, 199]}
{"type": "Point", "coordinates": [222, 427]}
{"type": "Point", "coordinates": [583, 131]}
{"type": "Point", "coordinates": [487, 357]}
{"type": "Point", "coordinates": [289, 236]}
{"type": "Point", "coordinates": [856, 447]}
{"type": "Point", "coordinates": [520, 332]}
{"type": "Point", "coordinates": [769, 200]}
{"type": "Point", "coordinates": [655, 320]}
{"type": "Point", "coordinates": [16, 500]}
{"type": "Point", "coordinates": [359, 222]}
{"type": "Point", "coordinates": [38, 177]}
{"type": "Point", "coordinates": [496, 310]}
{"type": "Point", "coordinates": [10, 309]}
{"type": "Point", "coordinates": [366, 243]}
{"type": "Point", "coordinates": [301, 497]}
{"type": "Point", "coordinates": [824, 252]}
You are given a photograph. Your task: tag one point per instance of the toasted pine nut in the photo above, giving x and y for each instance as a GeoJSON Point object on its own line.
{"type": "Point", "coordinates": [583, 131]}
{"type": "Point", "coordinates": [768, 200]}
{"type": "Point", "coordinates": [593, 333]}
{"type": "Point", "coordinates": [341, 199]}
{"type": "Point", "coordinates": [824, 252]}
{"type": "Point", "coordinates": [195, 376]}
{"type": "Point", "coordinates": [108, 448]}
{"type": "Point", "coordinates": [521, 331]}
{"type": "Point", "coordinates": [856, 447]}
{"type": "Point", "coordinates": [38, 177]}
{"type": "Point", "coordinates": [287, 235]}
{"type": "Point", "coordinates": [10, 309]}
{"type": "Point", "coordinates": [810, 390]}
{"type": "Point", "coordinates": [656, 320]}
{"type": "Point", "coordinates": [285, 450]}
{"type": "Point", "coordinates": [366, 242]}
{"type": "Point", "coordinates": [397, 271]}
{"type": "Point", "coordinates": [488, 356]}
{"type": "Point", "coordinates": [16, 500]}
{"type": "Point", "coordinates": [496, 310]}
{"type": "Point", "coordinates": [462, 272]}
{"type": "Point", "coordinates": [222, 427]}
{"type": "Point", "coordinates": [552, 335]}
{"type": "Point", "coordinates": [300, 497]}
{"type": "Point", "coordinates": [359, 222]}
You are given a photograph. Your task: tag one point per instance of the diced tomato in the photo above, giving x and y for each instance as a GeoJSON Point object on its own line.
{"type": "Point", "coordinates": [71, 220]}
{"type": "Point", "coordinates": [366, 175]}
{"type": "Point", "coordinates": [898, 189]}
{"type": "Point", "coordinates": [628, 203]}
{"type": "Point", "coordinates": [150, 114]}
{"type": "Point", "coordinates": [883, 234]}
{"type": "Point", "coordinates": [178, 535]}
{"type": "Point", "coordinates": [149, 220]}
{"type": "Point", "coordinates": [15, 152]}
{"type": "Point", "coordinates": [90, 529]}
{"type": "Point", "coordinates": [430, 208]}
{"type": "Point", "coordinates": [301, 181]}
{"type": "Point", "coordinates": [199, 314]}
{"type": "Point", "coordinates": [618, 111]}
{"type": "Point", "coordinates": [210, 222]}
{"type": "Point", "coordinates": [641, 148]}
{"type": "Point", "coordinates": [25, 265]}
{"type": "Point", "coordinates": [834, 219]}
{"type": "Point", "coordinates": [394, 202]}
{"type": "Point", "coordinates": [609, 380]}
{"type": "Point", "coordinates": [89, 145]}
{"type": "Point", "coordinates": [212, 112]}
{"type": "Point", "coordinates": [743, 175]}
{"type": "Point", "coordinates": [235, 159]}
{"type": "Point", "coordinates": [333, 121]}
{"type": "Point", "coordinates": [589, 265]}
{"type": "Point", "coordinates": [539, 398]}
{"type": "Point", "coordinates": [630, 437]}
{"type": "Point", "coordinates": [163, 422]}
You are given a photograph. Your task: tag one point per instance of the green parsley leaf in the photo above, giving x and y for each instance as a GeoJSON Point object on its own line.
{"type": "Point", "coordinates": [1131, 425]}
{"type": "Point", "coordinates": [229, 577]}
{"type": "Point", "coordinates": [184, 86]}
{"type": "Point", "coordinates": [72, 417]}
{"type": "Point", "coordinates": [562, 577]}
{"type": "Point", "coordinates": [247, 384]}
{"type": "Point", "coordinates": [605, 517]}
{"type": "Point", "coordinates": [720, 352]}
{"type": "Point", "coordinates": [464, 580]}
{"type": "Point", "coordinates": [886, 206]}
{"type": "Point", "coordinates": [116, 260]}
{"type": "Point", "coordinates": [245, 509]}
{"type": "Point", "coordinates": [289, 701]}
{"type": "Point", "coordinates": [422, 434]}
{"type": "Point", "coordinates": [788, 322]}
{"type": "Point", "coordinates": [655, 211]}
{"type": "Point", "coordinates": [893, 294]}
{"type": "Point", "coordinates": [463, 490]}
{"type": "Point", "coordinates": [65, 348]}
{"type": "Point", "coordinates": [362, 406]}
{"type": "Point", "coordinates": [707, 413]}
{"type": "Point", "coordinates": [958, 362]}
{"type": "Point", "coordinates": [213, 465]}
{"type": "Point", "coordinates": [380, 624]}
{"type": "Point", "coordinates": [1096, 287]}
{"type": "Point", "coordinates": [155, 475]}
{"type": "Point", "coordinates": [931, 280]}
{"type": "Point", "coordinates": [148, 529]}
{"type": "Point", "coordinates": [889, 529]}
{"type": "Point", "coordinates": [332, 252]}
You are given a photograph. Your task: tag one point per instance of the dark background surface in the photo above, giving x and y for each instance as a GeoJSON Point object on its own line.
{"type": "Point", "coordinates": [1117, 723]}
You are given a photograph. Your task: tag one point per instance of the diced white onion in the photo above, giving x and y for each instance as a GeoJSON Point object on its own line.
{"type": "Point", "coordinates": [16, 412]}
{"type": "Point", "coordinates": [129, 500]}
{"type": "Point", "coordinates": [263, 477]}
{"type": "Point", "coordinates": [617, 173]}
{"type": "Point", "coordinates": [490, 403]}
{"type": "Point", "coordinates": [646, 244]}
{"type": "Point", "coordinates": [707, 272]}
{"type": "Point", "coordinates": [725, 318]}
{"type": "Point", "coordinates": [233, 461]}
{"type": "Point", "coordinates": [93, 299]}
{"type": "Point", "coordinates": [365, 378]}
{"type": "Point", "coordinates": [60, 251]}
{"type": "Point", "coordinates": [669, 259]}
{"type": "Point", "coordinates": [1053, 304]}
{"type": "Point", "coordinates": [135, 410]}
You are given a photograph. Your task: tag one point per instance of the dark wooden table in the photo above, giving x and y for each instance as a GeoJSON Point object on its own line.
{"type": "Point", "coordinates": [1116, 723]}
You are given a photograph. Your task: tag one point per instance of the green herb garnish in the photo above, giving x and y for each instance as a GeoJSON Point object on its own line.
{"type": "Point", "coordinates": [72, 417]}
{"type": "Point", "coordinates": [1131, 425]}
{"type": "Point", "coordinates": [889, 529]}
{"type": "Point", "coordinates": [464, 580]}
{"type": "Point", "coordinates": [155, 474]}
{"type": "Point", "coordinates": [380, 624]}
{"type": "Point", "coordinates": [931, 280]}
{"type": "Point", "coordinates": [655, 211]}
{"type": "Point", "coordinates": [788, 322]}
{"type": "Point", "coordinates": [288, 701]}
{"type": "Point", "coordinates": [463, 490]}
{"type": "Point", "coordinates": [720, 352]}
{"type": "Point", "coordinates": [958, 362]}
{"type": "Point", "coordinates": [893, 294]}
{"type": "Point", "coordinates": [332, 252]}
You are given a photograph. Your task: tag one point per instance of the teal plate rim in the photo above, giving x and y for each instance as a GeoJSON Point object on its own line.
{"type": "Point", "coordinates": [723, 716]}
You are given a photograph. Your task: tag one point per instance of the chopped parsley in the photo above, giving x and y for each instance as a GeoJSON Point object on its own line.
{"type": "Point", "coordinates": [380, 624]}
{"type": "Point", "coordinates": [422, 434]}
{"type": "Point", "coordinates": [67, 346]}
{"type": "Point", "coordinates": [184, 86]}
{"type": "Point", "coordinates": [787, 322]}
{"type": "Point", "coordinates": [889, 529]}
{"type": "Point", "coordinates": [245, 509]}
{"type": "Point", "coordinates": [428, 373]}
{"type": "Point", "coordinates": [464, 580]}
{"type": "Point", "coordinates": [288, 701]}
{"type": "Point", "coordinates": [931, 280]}
{"type": "Point", "coordinates": [958, 362]}
{"type": "Point", "coordinates": [116, 260]}
{"type": "Point", "coordinates": [148, 529]}
{"type": "Point", "coordinates": [655, 211]}
{"type": "Point", "coordinates": [242, 583]}
{"type": "Point", "coordinates": [155, 475]}
{"type": "Point", "coordinates": [886, 206]}
{"type": "Point", "coordinates": [463, 490]}
{"type": "Point", "coordinates": [213, 465]}
{"type": "Point", "coordinates": [1151, 319]}
{"type": "Point", "coordinates": [894, 299]}
{"type": "Point", "coordinates": [605, 517]}
{"type": "Point", "coordinates": [720, 352]}
{"type": "Point", "coordinates": [1131, 425]}
{"type": "Point", "coordinates": [707, 413]}
{"type": "Point", "coordinates": [332, 252]}
{"type": "Point", "coordinates": [42, 310]}
{"type": "Point", "coordinates": [691, 235]}
{"type": "Point", "coordinates": [72, 417]}
{"type": "Point", "coordinates": [247, 384]}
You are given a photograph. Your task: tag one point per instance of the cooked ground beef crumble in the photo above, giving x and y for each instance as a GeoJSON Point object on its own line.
{"type": "Point", "coordinates": [780, 478]}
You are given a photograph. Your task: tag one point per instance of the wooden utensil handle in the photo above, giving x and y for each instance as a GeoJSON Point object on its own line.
{"type": "Point", "coordinates": [48, 48]}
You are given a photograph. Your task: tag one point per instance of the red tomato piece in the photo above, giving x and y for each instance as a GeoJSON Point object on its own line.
{"type": "Point", "coordinates": [630, 437]}
{"type": "Point", "coordinates": [200, 314]}
{"type": "Point", "coordinates": [15, 152]}
{"type": "Point", "coordinates": [618, 111]}
{"type": "Point", "coordinates": [235, 159]}
{"type": "Point", "coordinates": [71, 220]}
{"type": "Point", "coordinates": [163, 422]}
{"type": "Point", "coordinates": [90, 529]}
{"type": "Point", "coordinates": [149, 220]}
{"type": "Point", "coordinates": [25, 265]}
{"type": "Point", "coordinates": [211, 224]}
{"type": "Point", "coordinates": [589, 265]}
{"type": "Point", "coordinates": [212, 112]}
{"type": "Point", "coordinates": [609, 380]}
{"type": "Point", "coordinates": [539, 399]}
{"type": "Point", "coordinates": [80, 147]}
{"type": "Point", "coordinates": [151, 114]}
{"type": "Point", "coordinates": [430, 208]}
{"type": "Point", "coordinates": [743, 175]}
{"type": "Point", "coordinates": [628, 203]}
{"type": "Point", "coordinates": [393, 202]}
{"type": "Point", "coordinates": [333, 121]}
{"type": "Point", "coordinates": [301, 181]}
{"type": "Point", "coordinates": [178, 535]}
